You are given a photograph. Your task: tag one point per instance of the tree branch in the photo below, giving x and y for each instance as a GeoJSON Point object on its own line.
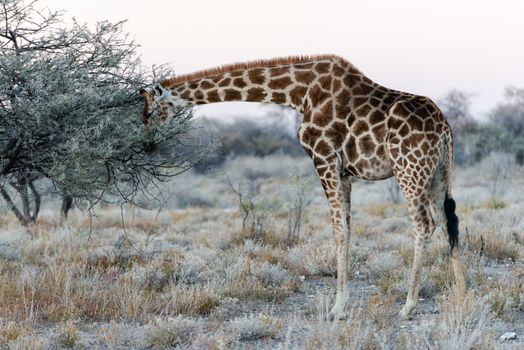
{"type": "Point", "coordinates": [12, 206]}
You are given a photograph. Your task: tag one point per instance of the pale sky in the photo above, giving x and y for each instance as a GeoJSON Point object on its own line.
{"type": "Point", "coordinates": [423, 47]}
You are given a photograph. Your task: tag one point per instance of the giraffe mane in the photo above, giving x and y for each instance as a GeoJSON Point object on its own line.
{"type": "Point", "coordinates": [167, 83]}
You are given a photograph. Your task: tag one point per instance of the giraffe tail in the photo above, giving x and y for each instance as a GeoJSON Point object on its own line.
{"type": "Point", "coordinates": [452, 221]}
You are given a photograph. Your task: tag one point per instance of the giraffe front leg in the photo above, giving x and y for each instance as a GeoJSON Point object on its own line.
{"type": "Point", "coordinates": [338, 197]}
{"type": "Point", "coordinates": [341, 239]}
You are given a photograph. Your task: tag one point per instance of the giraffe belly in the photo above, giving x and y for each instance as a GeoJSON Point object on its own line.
{"type": "Point", "coordinates": [373, 168]}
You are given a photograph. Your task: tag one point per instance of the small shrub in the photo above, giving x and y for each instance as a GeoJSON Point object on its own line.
{"type": "Point", "coordinates": [379, 310]}
{"type": "Point", "coordinates": [246, 278]}
{"type": "Point", "coordinates": [383, 264]}
{"type": "Point", "coordinates": [312, 259]}
{"type": "Point", "coordinates": [505, 298]}
{"type": "Point", "coordinates": [69, 336]}
{"type": "Point", "coordinates": [251, 327]}
{"type": "Point", "coordinates": [496, 204]}
{"type": "Point", "coordinates": [395, 285]}
{"type": "Point", "coordinates": [189, 300]}
{"type": "Point", "coordinates": [172, 332]}
{"type": "Point", "coordinates": [10, 331]}
{"type": "Point", "coordinates": [352, 333]}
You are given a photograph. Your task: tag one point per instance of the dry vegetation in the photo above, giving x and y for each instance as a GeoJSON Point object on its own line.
{"type": "Point", "coordinates": [194, 277]}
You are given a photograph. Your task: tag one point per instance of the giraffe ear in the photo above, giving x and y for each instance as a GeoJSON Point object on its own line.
{"type": "Point", "coordinates": [142, 92]}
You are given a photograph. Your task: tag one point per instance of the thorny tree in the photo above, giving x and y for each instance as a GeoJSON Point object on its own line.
{"type": "Point", "coordinates": [69, 113]}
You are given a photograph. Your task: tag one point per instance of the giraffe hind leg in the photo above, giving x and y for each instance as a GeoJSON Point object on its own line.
{"type": "Point", "coordinates": [415, 187]}
{"type": "Point", "coordinates": [423, 227]}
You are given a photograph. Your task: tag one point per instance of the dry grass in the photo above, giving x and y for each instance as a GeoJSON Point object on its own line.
{"type": "Point", "coordinates": [494, 245]}
{"type": "Point", "coordinates": [459, 325]}
{"type": "Point", "coordinates": [192, 278]}
{"type": "Point", "coordinates": [352, 333]}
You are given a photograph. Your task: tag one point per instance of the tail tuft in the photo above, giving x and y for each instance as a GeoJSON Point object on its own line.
{"type": "Point", "coordinates": [452, 221]}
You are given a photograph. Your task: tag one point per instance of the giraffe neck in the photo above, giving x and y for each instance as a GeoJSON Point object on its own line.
{"type": "Point", "coordinates": [285, 84]}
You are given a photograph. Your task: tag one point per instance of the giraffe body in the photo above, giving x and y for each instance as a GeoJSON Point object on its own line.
{"type": "Point", "coordinates": [352, 127]}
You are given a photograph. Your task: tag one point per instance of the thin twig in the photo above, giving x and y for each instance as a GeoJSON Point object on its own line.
{"type": "Point", "coordinates": [124, 227]}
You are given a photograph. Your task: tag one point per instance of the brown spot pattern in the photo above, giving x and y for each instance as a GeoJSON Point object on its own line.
{"type": "Point", "coordinates": [375, 102]}
{"type": "Point", "coordinates": [322, 67]}
{"type": "Point", "coordinates": [305, 77]}
{"type": "Point", "coordinates": [232, 95]}
{"type": "Point", "coordinates": [310, 135]}
{"type": "Point", "coordinates": [327, 109]}
{"type": "Point", "coordinates": [360, 127]}
{"type": "Point", "coordinates": [325, 82]}
{"type": "Point", "coordinates": [351, 149]}
{"type": "Point", "coordinates": [277, 71]}
{"type": "Point", "coordinates": [199, 95]}
{"type": "Point", "coordinates": [297, 95]}
{"type": "Point", "coordinates": [379, 131]}
{"type": "Point", "coordinates": [256, 76]}
{"type": "Point", "coordinates": [307, 116]}
{"type": "Point", "coordinates": [377, 117]}
{"type": "Point", "coordinates": [256, 95]}
{"type": "Point", "coordinates": [185, 95]}
{"type": "Point", "coordinates": [362, 89]}
{"type": "Point", "coordinates": [280, 83]}
{"type": "Point", "coordinates": [404, 130]}
{"type": "Point", "coordinates": [239, 82]}
{"type": "Point", "coordinates": [322, 119]}
{"type": "Point", "coordinates": [358, 101]}
{"type": "Point", "coordinates": [225, 82]}
{"type": "Point", "coordinates": [338, 71]}
{"type": "Point", "coordinates": [336, 133]}
{"type": "Point", "coordinates": [415, 123]}
{"type": "Point", "coordinates": [363, 111]}
{"type": "Point", "coordinates": [206, 85]}
{"type": "Point", "coordinates": [323, 148]}
{"type": "Point", "coordinates": [212, 96]}
{"type": "Point", "coordinates": [317, 95]}
{"type": "Point", "coordinates": [278, 98]}
{"type": "Point", "coordinates": [351, 79]}
{"type": "Point", "coordinates": [366, 144]}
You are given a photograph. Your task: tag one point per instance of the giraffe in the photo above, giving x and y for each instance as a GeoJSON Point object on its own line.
{"type": "Point", "coordinates": [352, 128]}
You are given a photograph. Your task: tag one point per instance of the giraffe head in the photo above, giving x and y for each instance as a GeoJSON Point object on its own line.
{"type": "Point", "coordinates": [159, 106]}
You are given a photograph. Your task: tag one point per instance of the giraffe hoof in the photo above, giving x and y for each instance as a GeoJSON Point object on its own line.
{"type": "Point", "coordinates": [408, 308]}
{"type": "Point", "coordinates": [336, 316]}
{"type": "Point", "coordinates": [405, 316]}
{"type": "Point", "coordinates": [405, 313]}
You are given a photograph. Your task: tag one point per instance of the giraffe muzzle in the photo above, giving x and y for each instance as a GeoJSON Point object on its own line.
{"type": "Point", "coordinates": [150, 147]}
